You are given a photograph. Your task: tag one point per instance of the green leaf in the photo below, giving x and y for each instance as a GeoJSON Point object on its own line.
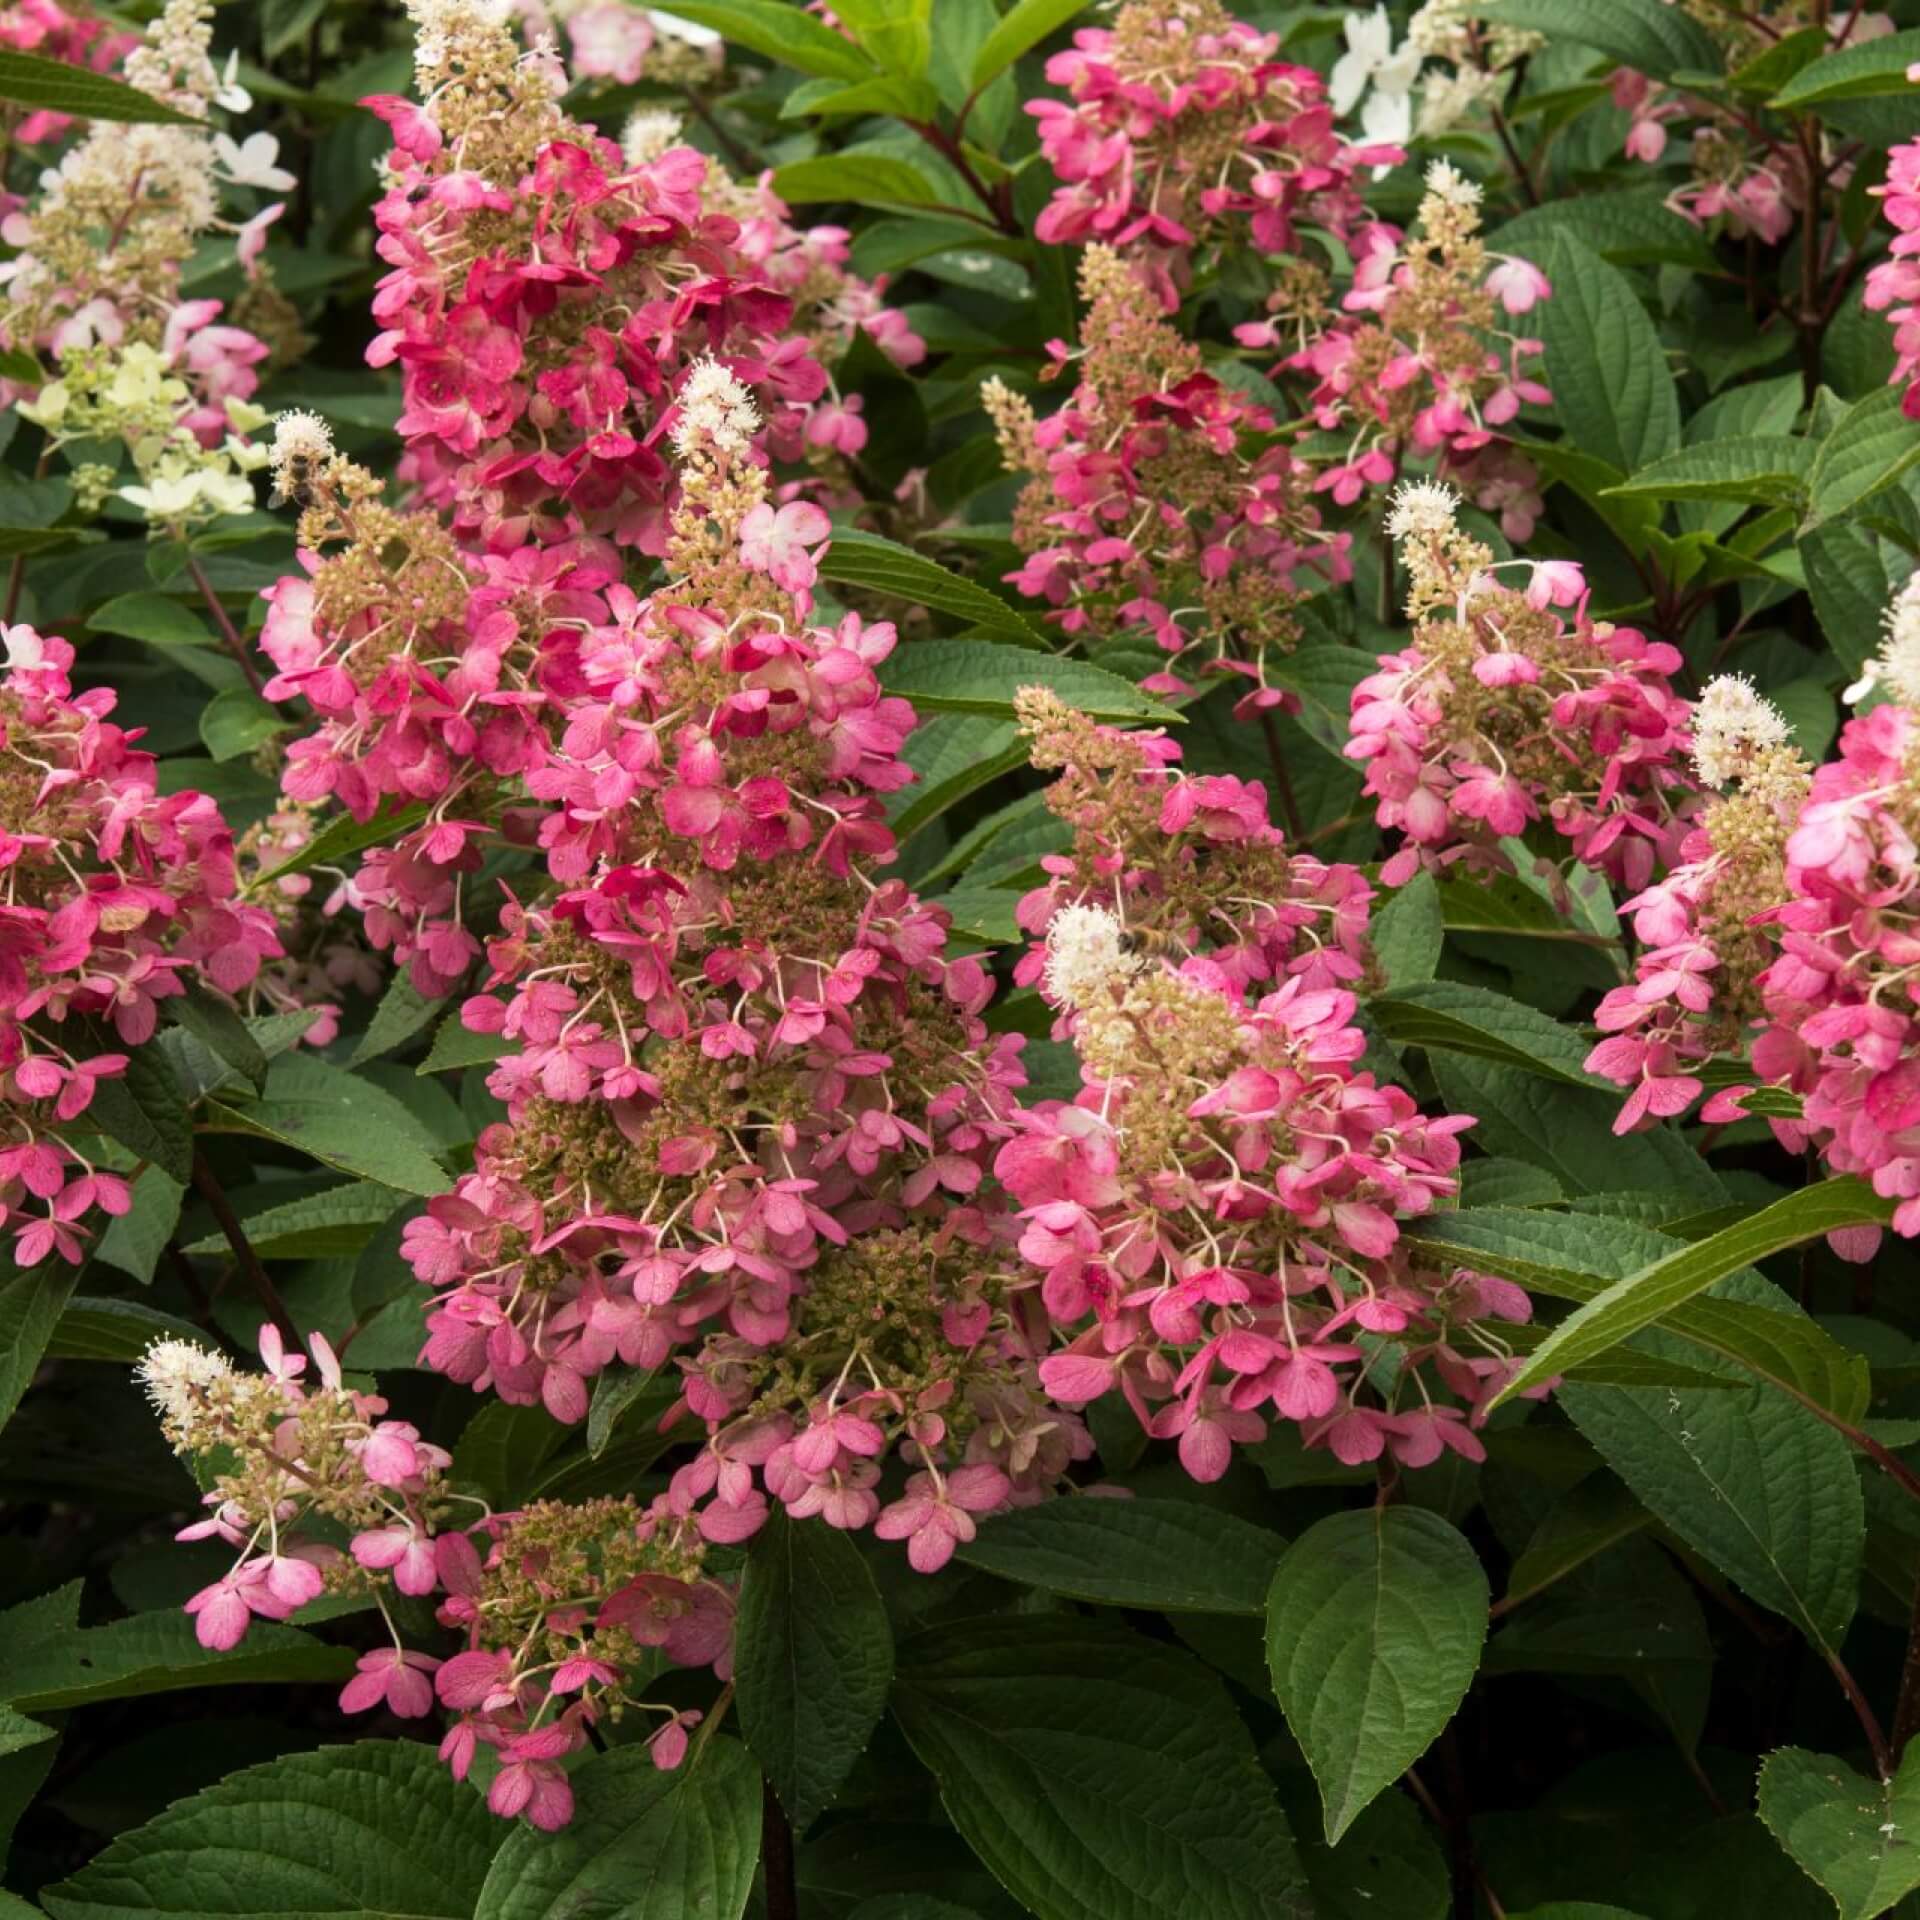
{"type": "Point", "coordinates": [813, 1660]}
{"type": "Point", "coordinates": [977, 676]}
{"type": "Point", "coordinates": [1771, 468]}
{"type": "Point", "coordinates": [17, 1733]}
{"type": "Point", "coordinates": [237, 721]}
{"type": "Point", "coordinates": [1592, 1515]}
{"type": "Point", "coordinates": [1648, 1296]}
{"type": "Point", "coordinates": [782, 32]}
{"type": "Point", "coordinates": [884, 566]}
{"type": "Point", "coordinates": [320, 1226]}
{"type": "Point", "coordinates": [642, 1844]}
{"type": "Point", "coordinates": [1850, 586]}
{"type": "Point", "coordinates": [402, 1012]}
{"type": "Point", "coordinates": [1853, 1836]}
{"type": "Point", "coordinates": [985, 914]}
{"type": "Point", "coordinates": [863, 176]}
{"type": "Point", "coordinates": [26, 80]}
{"type": "Point", "coordinates": [1450, 1016]}
{"type": "Point", "coordinates": [455, 1046]}
{"type": "Point", "coordinates": [1870, 447]}
{"type": "Point", "coordinates": [1173, 1556]}
{"type": "Point", "coordinates": [156, 1653]}
{"type": "Point", "coordinates": [1098, 1775]}
{"type": "Point", "coordinates": [115, 1330]}
{"type": "Point", "coordinates": [1629, 229]}
{"type": "Point", "coordinates": [1645, 34]}
{"type": "Point", "coordinates": [32, 1300]}
{"type": "Point", "coordinates": [339, 1120]}
{"type": "Point", "coordinates": [1569, 1131]}
{"type": "Point", "coordinates": [953, 755]}
{"type": "Point", "coordinates": [214, 1023]}
{"type": "Point", "coordinates": [1573, 1258]}
{"type": "Point", "coordinates": [1023, 27]}
{"type": "Point", "coordinates": [1772, 68]}
{"type": "Point", "coordinates": [135, 1241]}
{"type": "Point", "coordinates": [896, 33]}
{"type": "Point", "coordinates": [145, 1109]}
{"type": "Point", "coordinates": [1751, 1481]}
{"type": "Point", "coordinates": [1374, 1629]}
{"type": "Point", "coordinates": [905, 99]}
{"type": "Point", "coordinates": [1854, 73]}
{"type": "Point", "coordinates": [615, 1389]}
{"type": "Point", "coordinates": [154, 618]}
{"type": "Point", "coordinates": [506, 1448]}
{"type": "Point", "coordinates": [29, 540]}
{"type": "Point", "coordinates": [1612, 387]}
{"type": "Point", "coordinates": [1408, 932]}
{"type": "Point", "coordinates": [374, 1831]}
{"type": "Point", "coordinates": [345, 836]}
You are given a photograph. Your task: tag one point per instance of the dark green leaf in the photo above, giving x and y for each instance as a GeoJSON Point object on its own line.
{"type": "Point", "coordinates": [1646, 34]}
{"type": "Point", "coordinates": [1374, 1629]}
{"type": "Point", "coordinates": [402, 1012]}
{"type": "Point", "coordinates": [1447, 1015]}
{"type": "Point", "coordinates": [976, 676]}
{"type": "Point", "coordinates": [1025, 25]}
{"type": "Point", "coordinates": [27, 80]}
{"type": "Point", "coordinates": [1408, 931]}
{"type": "Point", "coordinates": [374, 1831]}
{"type": "Point", "coordinates": [32, 1300]}
{"type": "Point", "coordinates": [341, 1121]}
{"type": "Point", "coordinates": [1853, 1836]}
{"type": "Point", "coordinates": [456, 1046]}
{"type": "Point", "coordinates": [884, 566]}
{"type": "Point", "coordinates": [1098, 1775]}
{"type": "Point", "coordinates": [156, 1653]}
{"type": "Point", "coordinates": [813, 1660]}
{"type": "Point", "coordinates": [1649, 1295]}
{"type": "Point", "coordinates": [1854, 73]}
{"type": "Point", "coordinates": [865, 177]}
{"type": "Point", "coordinates": [1171, 1555]}
{"type": "Point", "coordinates": [1751, 1481]}
{"type": "Point", "coordinates": [237, 721]}
{"type": "Point", "coordinates": [145, 1109]}
{"type": "Point", "coordinates": [215, 1024]}
{"type": "Point", "coordinates": [1768, 468]}
{"type": "Point", "coordinates": [345, 836]}
{"type": "Point", "coordinates": [1611, 384]}
{"type": "Point", "coordinates": [642, 1844]}
{"type": "Point", "coordinates": [782, 32]}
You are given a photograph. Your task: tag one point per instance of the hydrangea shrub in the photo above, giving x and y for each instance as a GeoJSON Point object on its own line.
{"type": "Point", "coordinates": [958, 959]}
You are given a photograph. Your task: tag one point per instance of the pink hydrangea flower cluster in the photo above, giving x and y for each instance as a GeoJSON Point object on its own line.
{"type": "Point", "coordinates": [556, 1605]}
{"type": "Point", "coordinates": [116, 898]}
{"type": "Point", "coordinates": [548, 293]}
{"type": "Point", "coordinates": [1755, 181]}
{"type": "Point", "coordinates": [749, 1094]}
{"type": "Point", "coordinates": [1215, 1216]}
{"type": "Point", "coordinates": [1148, 511]}
{"type": "Point", "coordinates": [1841, 1026]}
{"type": "Point", "coordinates": [1696, 986]}
{"type": "Point", "coordinates": [1505, 713]}
{"type": "Point", "coordinates": [1893, 286]}
{"type": "Point", "coordinates": [1416, 365]}
{"type": "Point", "coordinates": [1183, 128]}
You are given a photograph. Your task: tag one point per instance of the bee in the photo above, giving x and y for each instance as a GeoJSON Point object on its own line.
{"type": "Point", "coordinates": [294, 483]}
{"type": "Point", "coordinates": [1153, 943]}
